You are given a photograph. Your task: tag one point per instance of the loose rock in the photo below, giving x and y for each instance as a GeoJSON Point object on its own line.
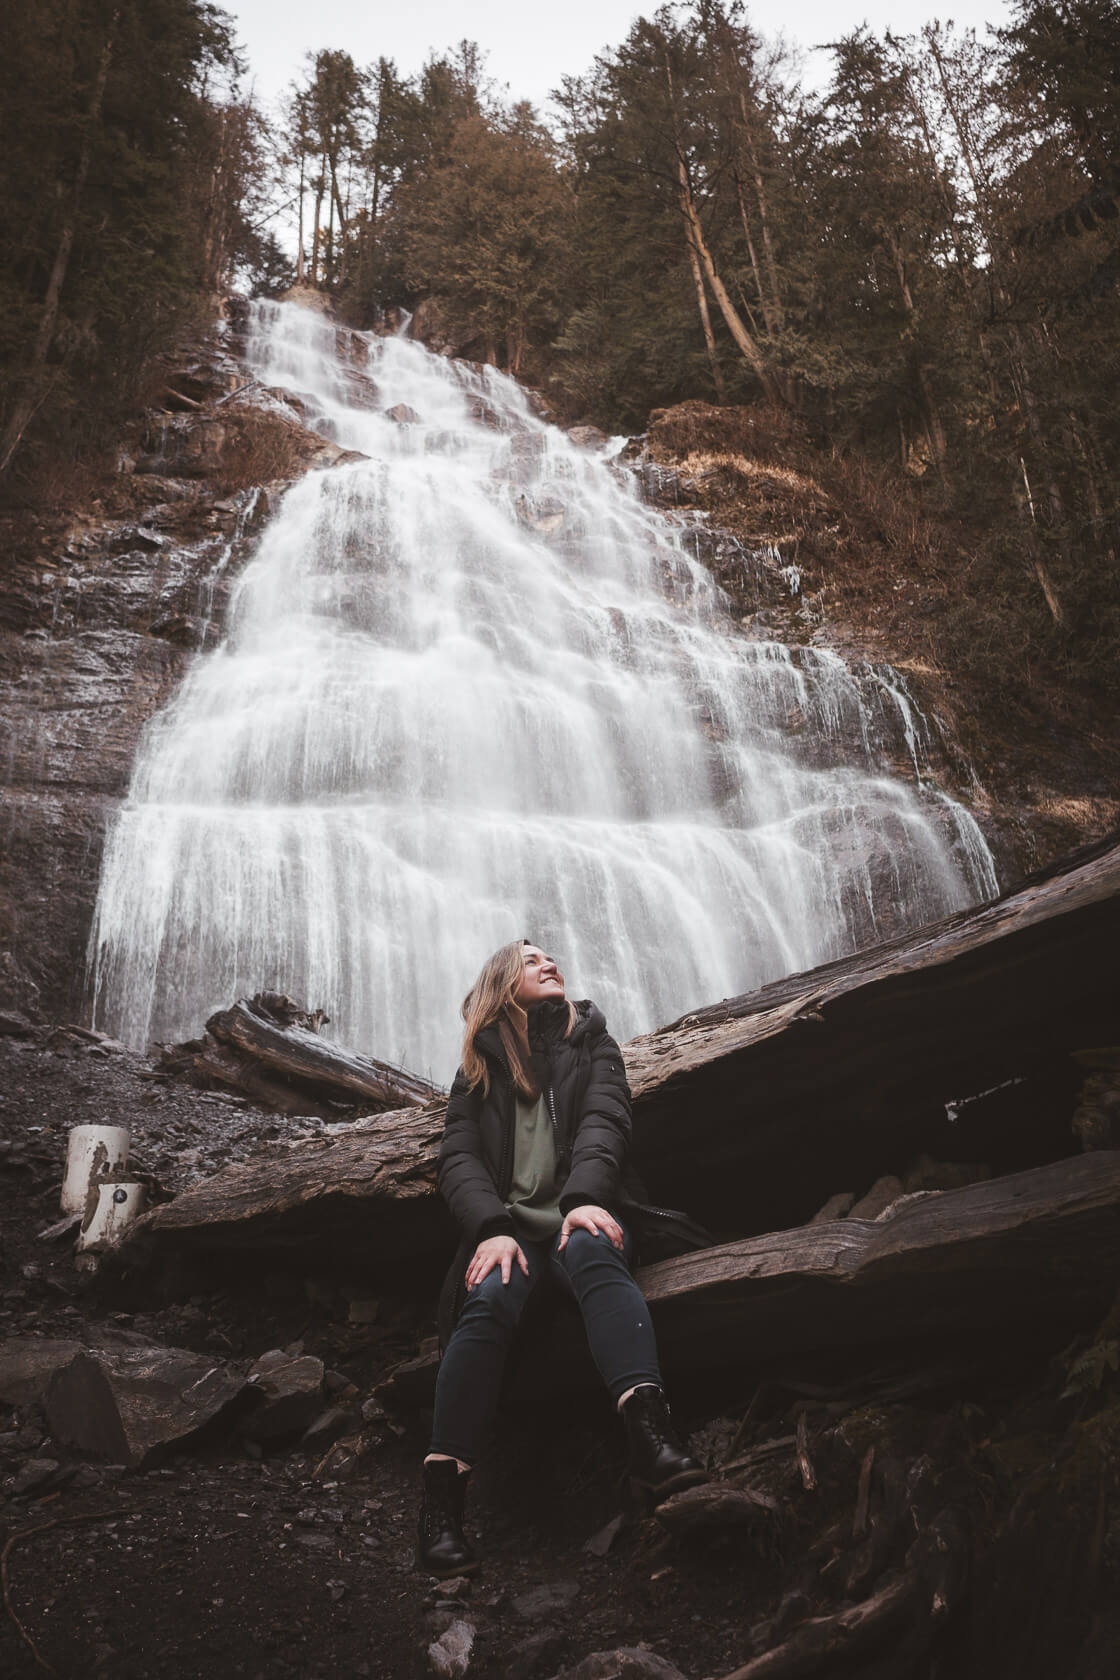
{"type": "Point", "coordinates": [133, 1403]}
{"type": "Point", "coordinates": [449, 1656]}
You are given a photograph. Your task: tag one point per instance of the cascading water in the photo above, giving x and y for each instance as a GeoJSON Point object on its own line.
{"type": "Point", "coordinates": [472, 688]}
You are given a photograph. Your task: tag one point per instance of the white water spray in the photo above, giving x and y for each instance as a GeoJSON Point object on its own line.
{"type": "Point", "coordinates": [472, 688]}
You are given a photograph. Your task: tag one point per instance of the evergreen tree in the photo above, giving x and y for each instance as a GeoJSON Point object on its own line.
{"type": "Point", "coordinates": [123, 170]}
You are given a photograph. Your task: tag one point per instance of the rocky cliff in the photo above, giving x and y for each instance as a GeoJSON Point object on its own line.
{"type": "Point", "coordinates": [877, 576]}
{"type": "Point", "coordinates": [100, 612]}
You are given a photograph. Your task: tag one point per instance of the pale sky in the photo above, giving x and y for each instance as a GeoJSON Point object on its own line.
{"type": "Point", "coordinates": [530, 46]}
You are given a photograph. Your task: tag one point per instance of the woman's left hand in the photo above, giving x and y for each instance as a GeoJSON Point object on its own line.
{"type": "Point", "coordinates": [593, 1219]}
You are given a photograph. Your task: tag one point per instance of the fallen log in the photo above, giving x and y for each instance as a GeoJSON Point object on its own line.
{"type": "Point", "coordinates": [271, 1049]}
{"type": "Point", "coordinates": [753, 1113]}
{"type": "Point", "coordinates": [366, 1194]}
{"type": "Point", "coordinates": [1035, 1254]}
{"type": "Point", "coordinates": [955, 1042]}
{"type": "Point", "coordinates": [1033, 1250]}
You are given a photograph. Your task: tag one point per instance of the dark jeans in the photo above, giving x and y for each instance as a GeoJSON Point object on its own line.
{"type": "Point", "coordinates": [615, 1316]}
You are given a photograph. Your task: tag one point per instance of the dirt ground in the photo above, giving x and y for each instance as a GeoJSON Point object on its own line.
{"type": "Point", "coordinates": [988, 1476]}
{"type": "Point", "coordinates": [217, 1562]}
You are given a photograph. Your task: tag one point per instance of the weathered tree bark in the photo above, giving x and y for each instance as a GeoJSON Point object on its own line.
{"type": "Point", "coordinates": [1033, 1250]}
{"type": "Point", "coordinates": [259, 1046]}
{"type": "Point", "coordinates": [955, 1042]}
{"type": "Point", "coordinates": [368, 1193]}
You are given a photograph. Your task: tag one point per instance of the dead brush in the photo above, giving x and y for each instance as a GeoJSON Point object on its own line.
{"type": "Point", "coordinates": [875, 493]}
{"type": "Point", "coordinates": [764, 432]}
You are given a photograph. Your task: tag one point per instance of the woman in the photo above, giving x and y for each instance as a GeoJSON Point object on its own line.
{"type": "Point", "coordinates": [536, 1135]}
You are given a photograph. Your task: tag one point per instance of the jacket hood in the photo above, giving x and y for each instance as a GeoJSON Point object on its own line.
{"type": "Point", "coordinates": [547, 1022]}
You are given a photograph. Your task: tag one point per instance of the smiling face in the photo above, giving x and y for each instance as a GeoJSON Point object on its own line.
{"type": "Point", "coordinates": [541, 980]}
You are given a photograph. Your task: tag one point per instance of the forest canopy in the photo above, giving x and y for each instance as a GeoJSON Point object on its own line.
{"type": "Point", "coordinates": [919, 260]}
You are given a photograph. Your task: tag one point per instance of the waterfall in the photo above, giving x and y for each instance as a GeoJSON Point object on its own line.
{"type": "Point", "coordinates": [473, 688]}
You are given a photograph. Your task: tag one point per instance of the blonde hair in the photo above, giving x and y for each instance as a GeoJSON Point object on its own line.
{"type": "Point", "coordinates": [491, 999]}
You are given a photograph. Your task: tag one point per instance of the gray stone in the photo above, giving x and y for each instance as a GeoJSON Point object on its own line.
{"type": "Point", "coordinates": [15, 1025]}
{"type": "Point", "coordinates": [291, 1395]}
{"type": "Point", "coordinates": [27, 1364]}
{"type": "Point", "coordinates": [403, 415]}
{"type": "Point", "coordinates": [588, 437]}
{"type": "Point", "coordinates": [449, 1656]}
{"type": "Point", "coordinates": [133, 1403]}
{"type": "Point", "coordinates": [456, 1586]}
{"type": "Point", "coordinates": [35, 1473]}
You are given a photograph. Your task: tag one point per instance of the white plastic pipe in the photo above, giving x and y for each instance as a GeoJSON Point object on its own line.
{"type": "Point", "coordinates": [118, 1205]}
{"type": "Point", "coordinates": [93, 1154]}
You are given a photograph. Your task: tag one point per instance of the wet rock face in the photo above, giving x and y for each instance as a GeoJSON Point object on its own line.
{"type": "Point", "coordinates": [99, 618]}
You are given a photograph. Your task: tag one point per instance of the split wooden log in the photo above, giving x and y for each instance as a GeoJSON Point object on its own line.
{"type": "Point", "coordinates": [717, 1505]}
{"type": "Point", "coordinates": [954, 1042]}
{"type": "Point", "coordinates": [1034, 1251]}
{"type": "Point", "coordinates": [366, 1193]}
{"type": "Point", "coordinates": [271, 1049]}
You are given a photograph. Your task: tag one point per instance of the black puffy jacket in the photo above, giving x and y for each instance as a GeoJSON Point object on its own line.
{"type": "Point", "coordinates": [589, 1101]}
{"type": "Point", "coordinates": [584, 1082]}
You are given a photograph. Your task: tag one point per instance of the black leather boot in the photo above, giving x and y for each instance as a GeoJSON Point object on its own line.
{"type": "Point", "coordinates": [443, 1549]}
{"type": "Point", "coordinates": [659, 1459]}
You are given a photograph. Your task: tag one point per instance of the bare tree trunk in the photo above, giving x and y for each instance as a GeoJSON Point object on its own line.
{"type": "Point", "coordinates": [34, 384]}
{"type": "Point", "coordinates": [731, 315]}
{"type": "Point", "coordinates": [706, 322]}
{"type": "Point", "coordinates": [760, 193]}
{"type": "Point", "coordinates": [299, 248]}
{"type": "Point", "coordinates": [746, 221]}
{"type": "Point", "coordinates": [698, 245]}
{"type": "Point", "coordinates": [931, 419]}
{"type": "Point", "coordinates": [320, 183]}
{"type": "Point", "coordinates": [340, 269]}
{"type": "Point", "coordinates": [1044, 580]}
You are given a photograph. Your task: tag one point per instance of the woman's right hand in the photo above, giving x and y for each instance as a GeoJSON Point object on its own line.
{"type": "Point", "coordinates": [495, 1251]}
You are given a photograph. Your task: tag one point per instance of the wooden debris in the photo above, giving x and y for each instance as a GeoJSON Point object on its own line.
{"type": "Point", "coordinates": [804, 1463]}
{"type": "Point", "coordinates": [863, 1495]}
{"type": "Point", "coordinates": [270, 1048]}
{"type": "Point", "coordinates": [367, 1192]}
{"type": "Point", "coordinates": [715, 1505]}
{"type": "Point", "coordinates": [820, 1641]}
